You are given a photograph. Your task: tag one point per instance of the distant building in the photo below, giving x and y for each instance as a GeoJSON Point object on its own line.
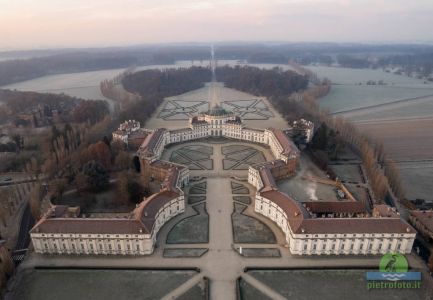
{"type": "Point", "coordinates": [130, 133]}
{"type": "Point", "coordinates": [125, 130]}
{"type": "Point", "coordinates": [303, 128]}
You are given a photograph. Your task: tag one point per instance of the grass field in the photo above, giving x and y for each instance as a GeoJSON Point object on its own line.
{"type": "Point", "coordinates": [247, 229]}
{"type": "Point", "coordinates": [191, 230]}
{"type": "Point", "coordinates": [330, 285]}
{"type": "Point", "coordinates": [70, 284]}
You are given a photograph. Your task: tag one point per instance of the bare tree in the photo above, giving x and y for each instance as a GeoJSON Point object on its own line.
{"type": "Point", "coordinates": [6, 261]}
{"type": "Point", "coordinates": [59, 187]}
{"type": "Point", "coordinates": [35, 201]}
{"type": "Point", "coordinates": [123, 161]}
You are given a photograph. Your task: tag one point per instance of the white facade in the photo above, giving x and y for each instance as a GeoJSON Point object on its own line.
{"type": "Point", "coordinates": [95, 244]}
{"type": "Point", "coordinates": [334, 243]}
{"type": "Point", "coordinates": [125, 129]}
{"type": "Point", "coordinates": [254, 178]}
{"type": "Point", "coordinates": [132, 243]}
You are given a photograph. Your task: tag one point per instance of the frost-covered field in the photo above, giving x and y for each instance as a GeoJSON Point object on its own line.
{"type": "Point", "coordinates": [421, 108]}
{"type": "Point", "coordinates": [355, 76]}
{"type": "Point", "coordinates": [350, 92]}
{"type": "Point", "coordinates": [344, 98]}
{"type": "Point", "coordinates": [400, 114]}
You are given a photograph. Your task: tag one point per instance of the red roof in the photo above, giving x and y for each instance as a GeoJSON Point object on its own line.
{"type": "Point", "coordinates": [288, 146]}
{"type": "Point", "coordinates": [354, 225]}
{"type": "Point", "coordinates": [425, 217]}
{"type": "Point", "coordinates": [89, 226]}
{"type": "Point", "coordinates": [141, 220]}
{"type": "Point", "coordinates": [335, 207]}
{"type": "Point", "coordinates": [150, 142]}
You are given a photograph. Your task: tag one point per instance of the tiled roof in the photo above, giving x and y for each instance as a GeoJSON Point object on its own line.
{"type": "Point", "coordinates": [335, 207]}
{"type": "Point", "coordinates": [150, 142]}
{"type": "Point", "coordinates": [141, 220]}
{"type": "Point", "coordinates": [425, 217]}
{"type": "Point", "coordinates": [354, 225]}
{"type": "Point", "coordinates": [288, 146]}
{"type": "Point", "coordinates": [89, 226]}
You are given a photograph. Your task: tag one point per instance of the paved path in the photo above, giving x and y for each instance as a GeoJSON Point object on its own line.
{"type": "Point", "coordinates": [180, 290]}
{"type": "Point", "coordinates": [221, 260]}
{"type": "Point", "coordinates": [262, 287]}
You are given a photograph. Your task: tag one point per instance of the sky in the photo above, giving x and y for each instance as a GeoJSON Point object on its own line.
{"type": "Point", "coordinates": [91, 23]}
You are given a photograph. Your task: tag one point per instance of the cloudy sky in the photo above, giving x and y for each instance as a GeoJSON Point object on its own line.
{"type": "Point", "coordinates": [75, 23]}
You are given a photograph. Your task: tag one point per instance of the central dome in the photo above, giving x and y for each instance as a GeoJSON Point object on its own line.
{"type": "Point", "coordinates": [217, 111]}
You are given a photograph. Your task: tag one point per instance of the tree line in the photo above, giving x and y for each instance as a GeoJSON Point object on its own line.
{"type": "Point", "coordinates": [277, 85]}
{"type": "Point", "coordinates": [80, 61]}
{"type": "Point", "coordinates": [268, 83]}
{"type": "Point", "coordinates": [154, 85]}
{"type": "Point", "coordinates": [380, 170]}
{"type": "Point", "coordinates": [43, 105]}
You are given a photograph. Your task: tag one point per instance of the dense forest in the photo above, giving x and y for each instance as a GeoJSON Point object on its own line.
{"type": "Point", "coordinates": [268, 83]}
{"type": "Point", "coordinates": [18, 70]}
{"type": "Point", "coordinates": [24, 65]}
{"type": "Point", "coordinates": [40, 108]}
{"type": "Point", "coordinates": [154, 85]}
{"type": "Point", "coordinates": [352, 61]}
{"type": "Point", "coordinates": [18, 101]}
{"type": "Point", "coordinates": [166, 82]}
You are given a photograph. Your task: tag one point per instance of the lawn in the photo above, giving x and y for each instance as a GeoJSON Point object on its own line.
{"type": "Point", "coordinates": [191, 230]}
{"type": "Point", "coordinates": [247, 229]}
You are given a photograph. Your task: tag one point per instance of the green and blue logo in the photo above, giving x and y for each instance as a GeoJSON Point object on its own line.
{"type": "Point", "coordinates": [393, 267]}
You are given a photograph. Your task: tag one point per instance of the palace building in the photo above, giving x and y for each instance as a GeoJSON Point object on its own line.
{"type": "Point", "coordinates": [310, 228]}
{"type": "Point", "coordinates": [60, 232]}
{"type": "Point", "coordinates": [317, 228]}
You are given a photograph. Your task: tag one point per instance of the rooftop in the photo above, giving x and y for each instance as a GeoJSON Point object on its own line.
{"type": "Point", "coordinates": [425, 217]}
{"type": "Point", "coordinates": [335, 207]}
{"type": "Point", "coordinates": [288, 146]}
{"type": "Point", "coordinates": [151, 141]}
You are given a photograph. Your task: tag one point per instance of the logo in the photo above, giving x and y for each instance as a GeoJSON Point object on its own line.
{"type": "Point", "coordinates": [393, 267]}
